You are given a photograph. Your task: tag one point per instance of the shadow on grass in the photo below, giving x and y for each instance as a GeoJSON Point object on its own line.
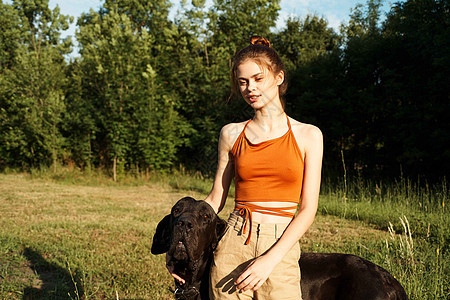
{"type": "Point", "coordinates": [54, 282]}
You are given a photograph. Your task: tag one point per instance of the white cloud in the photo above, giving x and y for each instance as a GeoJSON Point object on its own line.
{"type": "Point", "coordinates": [335, 22]}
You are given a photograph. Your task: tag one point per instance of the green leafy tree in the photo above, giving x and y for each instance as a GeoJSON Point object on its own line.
{"type": "Point", "coordinates": [416, 64]}
{"type": "Point", "coordinates": [364, 20]}
{"type": "Point", "coordinates": [79, 126]}
{"type": "Point", "coordinates": [32, 79]}
{"type": "Point", "coordinates": [303, 41]}
{"type": "Point", "coordinates": [136, 125]}
{"type": "Point", "coordinates": [189, 72]}
{"type": "Point", "coordinates": [381, 97]}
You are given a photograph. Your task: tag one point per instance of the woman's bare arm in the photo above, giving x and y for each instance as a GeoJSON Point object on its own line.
{"type": "Point", "coordinates": [224, 173]}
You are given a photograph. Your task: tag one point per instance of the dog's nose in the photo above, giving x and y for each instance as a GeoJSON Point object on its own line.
{"type": "Point", "coordinates": [185, 223]}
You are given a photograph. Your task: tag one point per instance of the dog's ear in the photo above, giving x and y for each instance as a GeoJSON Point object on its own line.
{"type": "Point", "coordinates": [220, 230]}
{"type": "Point", "coordinates": [161, 239]}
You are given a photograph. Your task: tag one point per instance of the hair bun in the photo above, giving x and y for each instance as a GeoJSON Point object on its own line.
{"type": "Point", "coordinates": [259, 40]}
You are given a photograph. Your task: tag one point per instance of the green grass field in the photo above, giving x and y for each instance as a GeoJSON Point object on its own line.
{"type": "Point", "coordinates": [82, 236]}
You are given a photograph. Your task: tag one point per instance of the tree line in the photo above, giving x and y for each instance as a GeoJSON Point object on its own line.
{"type": "Point", "coordinates": [149, 93]}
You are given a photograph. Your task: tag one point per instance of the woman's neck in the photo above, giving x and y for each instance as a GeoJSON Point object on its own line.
{"type": "Point", "coordinates": [269, 118]}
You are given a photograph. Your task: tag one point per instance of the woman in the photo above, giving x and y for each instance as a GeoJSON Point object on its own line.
{"type": "Point", "coordinates": [276, 161]}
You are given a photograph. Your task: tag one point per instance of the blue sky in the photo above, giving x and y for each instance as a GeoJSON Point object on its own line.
{"type": "Point", "coordinates": [335, 11]}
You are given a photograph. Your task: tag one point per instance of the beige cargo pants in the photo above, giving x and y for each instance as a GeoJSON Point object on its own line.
{"type": "Point", "coordinates": [232, 256]}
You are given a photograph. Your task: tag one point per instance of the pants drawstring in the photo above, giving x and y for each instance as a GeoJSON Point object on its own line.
{"type": "Point", "coordinates": [247, 214]}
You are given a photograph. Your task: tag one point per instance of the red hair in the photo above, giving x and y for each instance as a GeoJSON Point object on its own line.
{"type": "Point", "coordinates": [262, 54]}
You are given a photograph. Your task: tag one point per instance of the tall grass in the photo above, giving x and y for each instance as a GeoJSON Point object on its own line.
{"type": "Point", "coordinates": [417, 218]}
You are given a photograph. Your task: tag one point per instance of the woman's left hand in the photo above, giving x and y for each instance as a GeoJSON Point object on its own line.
{"type": "Point", "coordinates": [255, 274]}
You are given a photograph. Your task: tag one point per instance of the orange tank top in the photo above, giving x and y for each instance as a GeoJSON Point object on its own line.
{"type": "Point", "coordinates": [269, 171]}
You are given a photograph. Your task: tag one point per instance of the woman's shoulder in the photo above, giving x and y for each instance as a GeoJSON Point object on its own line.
{"type": "Point", "coordinates": [230, 132]}
{"type": "Point", "coordinates": [305, 133]}
{"type": "Point", "coordinates": [233, 130]}
{"type": "Point", "coordinates": [305, 128]}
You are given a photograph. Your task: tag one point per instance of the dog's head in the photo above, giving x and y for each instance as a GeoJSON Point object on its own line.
{"type": "Point", "coordinates": [191, 229]}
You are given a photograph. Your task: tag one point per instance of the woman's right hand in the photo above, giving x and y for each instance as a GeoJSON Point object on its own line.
{"type": "Point", "coordinates": [171, 268]}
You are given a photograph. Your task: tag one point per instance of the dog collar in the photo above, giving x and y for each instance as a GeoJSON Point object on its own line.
{"type": "Point", "coordinates": [188, 293]}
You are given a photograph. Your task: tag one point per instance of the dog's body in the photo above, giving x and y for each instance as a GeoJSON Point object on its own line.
{"type": "Point", "coordinates": [192, 230]}
{"type": "Point", "coordinates": [345, 276]}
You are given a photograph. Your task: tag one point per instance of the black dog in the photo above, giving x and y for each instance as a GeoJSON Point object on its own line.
{"type": "Point", "coordinates": [192, 230]}
{"type": "Point", "coordinates": [189, 235]}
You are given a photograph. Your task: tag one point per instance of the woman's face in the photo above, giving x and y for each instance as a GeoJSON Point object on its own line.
{"type": "Point", "coordinates": [258, 86]}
